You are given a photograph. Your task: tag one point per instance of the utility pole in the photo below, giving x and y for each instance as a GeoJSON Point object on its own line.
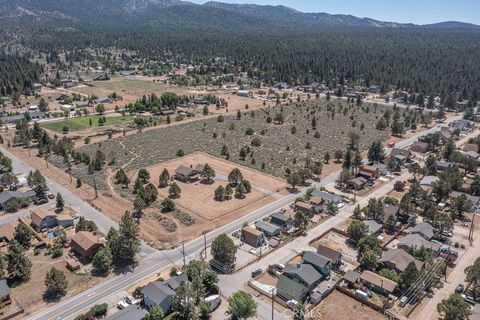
{"type": "Point", "coordinates": [183, 253]}
{"type": "Point", "coordinates": [273, 295]}
{"type": "Point", "coordinates": [95, 186]}
{"type": "Point", "coordinates": [205, 244]}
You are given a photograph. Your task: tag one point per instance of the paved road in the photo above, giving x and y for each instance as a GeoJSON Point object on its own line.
{"type": "Point", "coordinates": [153, 261]}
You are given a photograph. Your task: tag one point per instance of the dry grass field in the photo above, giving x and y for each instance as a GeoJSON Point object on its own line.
{"type": "Point", "coordinates": [198, 198]}
{"type": "Point", "coordinates": [282, 146]}
{"type": "Point", "coordinates": [340, 306]}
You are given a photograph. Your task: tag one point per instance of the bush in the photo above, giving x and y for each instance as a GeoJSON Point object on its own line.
{"type": "Point", "coordinates": [99, 310]}
{"type": "Point", "coordinates": [184, 218]}
{"type": "Point", "coordinates": [168, 225]}
{"type": "Point", "coordinates": [256, 142]}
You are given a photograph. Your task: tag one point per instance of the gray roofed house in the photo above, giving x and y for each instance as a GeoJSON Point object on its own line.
{"type": "Point", "coordinates": [416, 241]}
{"type": "Point", "coordinates": [157, 293]}
{"type": "Point", "coordinates": [424, 229]}
{"type": "Point", "coordinates": [443, 165]}
{"type": "Point", "coordinates": [473, 199]}
{"type": "Point", "coordinates": [327, 196]}
{"type": "Point", "coordinates": [382, 168]}
{"type": "Point", "coordinates": [303, 273]}
{"type": "Point", "coordinates": [398, 259]}
{"type": "Point", "coordinates": [429, 180]}
{"type": "Point", "coordinates": [471, 154]}
{"type": "Point", "coordinates": [186, 174]}
{"type": "Point", "coordinates": [7, 196]}
{"type": "Point", "coordinates": [281, 220]}
{"type": "Point", "coordinates": [373, 226]}
{"type": "Point", "coordinates": [390, 210]}
{"type": "Point", "coordinates": [320, 263]}
{"type": "Point", "coordinates": [289, 289]}
{"type": "Point", "coordinates": [82, 104]}
{"type": "Point", "coordinates": [13, 118]}
{"type": "Point", "coordinates": [175, 281]}
{"type": "Point", "coordinates": [132, 312]}
{"type": "Point", "coordinates": [270, 230]}
{"type": "Point", "coordinates": [351, 276]}
{"type": "Point", "coordinates": [329, 253]}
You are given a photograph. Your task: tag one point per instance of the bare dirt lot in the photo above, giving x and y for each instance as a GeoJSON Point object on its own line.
{"type": "Point", "coordinates": [340, 306]}
{"type": "Point", "coordinates": [198, 198]}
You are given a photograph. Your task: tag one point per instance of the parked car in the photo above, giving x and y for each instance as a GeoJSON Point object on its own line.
{"type": "Point", "coordinates": [39, 201]}
{"type": "Point", "coordinates": [292, 304]}
{"type": "Point", "coordinates": [50, 195]}
{"type": "Point", "coordinates": [256, 272]}
{"type": "Point", "coordinates": [468, 298]}
{"type": "Point", "coordinates": [214, 301]}
{"type": "Point", "coordinates": [122, 304]}
{"type": "Point", "coordinates": [459, 289]}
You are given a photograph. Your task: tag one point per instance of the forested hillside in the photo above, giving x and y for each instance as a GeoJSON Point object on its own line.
{"type": "Point", "coordinates": [17, 75]}
{"type": "Point", "coordinates": [273, 43]}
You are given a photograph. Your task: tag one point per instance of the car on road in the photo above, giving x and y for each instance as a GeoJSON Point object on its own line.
{"type": "Point", "coordinates": [256, 272]}
{"type": "Point", "coordinates": [50, 195]}
{"type": "Point", "coordinates": [459, 289]}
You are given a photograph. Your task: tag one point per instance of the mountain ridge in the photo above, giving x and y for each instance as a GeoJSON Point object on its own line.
{"type": "Point", "coordinates": [63, 10]}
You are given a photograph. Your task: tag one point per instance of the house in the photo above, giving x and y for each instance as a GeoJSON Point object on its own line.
{"type": "Point", "coordinates": [390, 210]}
{"type": "Point", "coordinates": [37, 86]}
{"type": "Point", "coordinates": [351, 277]}
{"type": "Point", "coordinates": [445, 133]}
{"type": "Point", "coordinates": [471, 154]}
{"type": "Point", "coordinates": [420, 147]}
{"type": "Point", "coordinates": [4, 291]}
{"type": "Point", "coordinates": [319, 262]}
{"type": "Point", "coordinates": [424, 229]}
{"type": "Point", "coordinates": [253, 237]}
{"type": "Point", "coordinates": [33, 108]}
{"type": "Point", "coordinates": [289, 289]}
{"type": "Point", "coordinates": [333, 255]}
{"type": "Point", "coordinates": [281, 220]}
{"type": "Point", "coordinates": [167, 112]}
{"type": "Point", "coordinates": [443, 165]}
{"type": "Point", "coordinates": [132, 312]}
{"type": "Point", "coordinates": [305, 274]}
{"type": "Point", "coordinates": [67, 107]}
{"type": "Point", "coordinates": [102, 77]}
{"type": "Point", "coordinates": [157, 293]}
{"type": "Point", "coordinates": [304, 207]}
{"type": "Point", "coordinates": [401, 154]}
{"type": "Point", "coordinates": [327, 197]}
{"type": "Point", "coordinates": [369, 172]}
{"type": "Point", "coordinates": [244, 93]}
{"type": "Point", "coordinates": [470, 147]}
{"type": "Point", "coordinates": [473, 199]}
{"type": "Point", "coordinates": [64, 220]}
{"type": "Point", "coordinates": [42, 218]}
{"type": "Point", "coordinates": [358, 183]}
{"type": "Point", "coordinates": [416, 241]}
{"type": "Point", "coordinates": [103, 100]}
{"type": "Point", "coordinates": [186, 174]}
{"type": "Point", "coordinates": [378, 283]}
{"type": "Point", "coordinates": [200, 100]}
{"type": "Point", "coordinates": [8, 196]}
{"type": "Point", "coordinates": [374, 89]}
{"type": "Point", "coordinates": [82, 104]}
{"type": "Point", "coordinates": [429, 180]}
{"type": "Point", "coordinates": [374, 227]}
{"type": "Point", "coordinates": [268, 229]}
{"type": "Point", "coordinates": [382, 168]}
{"type": "Point", "coordinates": [462, 125]}
{"type": "Point", "coordinates": [398, 260]}
{"type": "Point", "coordinates": [85, 244]}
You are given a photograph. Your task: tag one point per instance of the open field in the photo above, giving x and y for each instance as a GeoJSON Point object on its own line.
{"type": "Point", "coordinates": [29, 295]}
{"type": "Point", "coordinates": [340, 306]}
{"type": "Point", "coordinates": [82, 123]}
{"type": "Point", "coordinates": [198, 198]}
{"type": "Point", "coordinates": [281, 145]}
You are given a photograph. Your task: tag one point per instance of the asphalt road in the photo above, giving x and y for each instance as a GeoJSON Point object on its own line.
{"type": "Point", "coordinates": [152, 261]}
